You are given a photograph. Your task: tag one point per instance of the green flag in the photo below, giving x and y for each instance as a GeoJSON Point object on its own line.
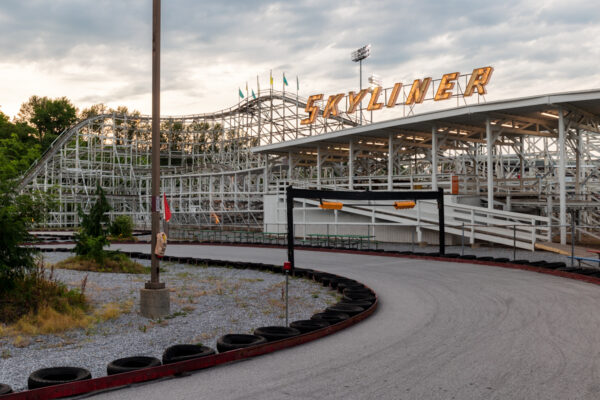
{"type": "Point", "coordinates": [285, 80]}
{"type": "Point", "coordinates": [241, 94]}
{"type": "Point", "coordinates": [253, 95]}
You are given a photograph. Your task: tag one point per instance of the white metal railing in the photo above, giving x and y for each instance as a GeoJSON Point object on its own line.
{"type": "Point", "coordinates": [471, 222]}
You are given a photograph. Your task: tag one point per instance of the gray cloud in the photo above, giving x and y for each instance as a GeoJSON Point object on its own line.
{"type": "Point", "coordinates": [228, 42]}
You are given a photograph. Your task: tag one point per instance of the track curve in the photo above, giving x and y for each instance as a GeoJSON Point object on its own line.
{"type": "Point", "coordinates": [442, 330]}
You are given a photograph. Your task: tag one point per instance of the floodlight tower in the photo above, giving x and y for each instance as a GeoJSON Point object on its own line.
{"type": "Point", "coordinates": [358, 56]}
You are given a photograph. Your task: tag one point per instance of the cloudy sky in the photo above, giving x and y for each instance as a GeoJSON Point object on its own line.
{"type": "Point", "coordinates": [100, 51]}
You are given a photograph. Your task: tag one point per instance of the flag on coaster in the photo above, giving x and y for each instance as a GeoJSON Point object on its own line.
{"type": "Point", "coordinates": [271, 79]}
{"type": "Point", "coordinates": [166, 209]}
{"type": "Point", "coordinates": [253, 95]}
{"type": "Point", "coordinates": [297, 83]}
{"type": "Point", "coordinates": [241, 94]}
{"type": "Point", "coordinates": [285, 80]}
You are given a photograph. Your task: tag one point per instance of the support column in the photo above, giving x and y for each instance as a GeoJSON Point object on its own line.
{"type": "Point", "coordinates": [390, 161]}
{"type": "Point", "coordinates": [266, 175]}
{"type": "Point", "coordinates": [290, 168]}
{"type": "Point", "coordinates": [578, 164]}
{"type": "Point", "coordinates": [434, 156]}
{"type": "Point", "coordinates": [562, 188]}
{"type": "Point", "coordinates": [490, 163]}
{"type": "Point", "coordinates": [318, 166]}
{"type": "Point", "coordinates": [351, 165]}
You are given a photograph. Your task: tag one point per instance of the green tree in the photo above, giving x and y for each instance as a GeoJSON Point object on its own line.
{"type": "Point", "coordinates": [49, 117]}
{"type": "Point", "coordinates": [91, 239]}
{"type": "Point", "coordinates": [18, 213]}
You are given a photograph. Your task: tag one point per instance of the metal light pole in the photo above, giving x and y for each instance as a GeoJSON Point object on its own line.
{"type": "Point", "coordinates": [357, 56]}
{"type": "Point", "coordinates": [154, 297]}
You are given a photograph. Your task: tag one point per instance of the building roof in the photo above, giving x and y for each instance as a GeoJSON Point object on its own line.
{"type": "Point", "coordinates": [521, 116]}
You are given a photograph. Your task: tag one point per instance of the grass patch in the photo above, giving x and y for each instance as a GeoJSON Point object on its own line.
{"type": "Point", "coordinates": [113, 310]}
{"type": "Point", "coordinates": [114, 262]}
{"type": "Point", "coordinates": [38, 297]}
{"type": "Point", "coordinates": [48, 320]}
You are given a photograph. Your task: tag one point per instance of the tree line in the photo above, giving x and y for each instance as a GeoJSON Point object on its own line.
{"type": "Point", "coordinates": [39, 122]}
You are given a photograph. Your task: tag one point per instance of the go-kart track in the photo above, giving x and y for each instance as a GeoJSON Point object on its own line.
{"type": "Point", "coordinates": [442, 330]}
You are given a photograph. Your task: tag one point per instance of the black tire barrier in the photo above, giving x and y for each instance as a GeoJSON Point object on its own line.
{"type": "Point", "coordinates": [273, 333]}
{"type": "Point", "coordinates": [538, 263]}
{"type": "Point", "coordinates": [358, 291]}
{"type": "Point", "coordinates": [317, 276]}
{"type": "Point", "coordinates": [452, 255]}
{"type": "Point", "coordinates": [345, 308]}
{"type": "Point", "coordinates": [360, 303]}
{"type": "Point", "coordinates": [333, 282]}
{"type": "Point", "coordinates": [182, 352]}
{"type": "Point", "coordinates": [555, 265]}
{"type": "Point", "coordinates": [325, 280]}
{"type": "Point", "coordinates": [56, 375]}
{"type": "Point", "coordinates": [331, 317]}
{"type": "Point", "coordinates": [502, 260]}
{"type": "Point", "coordinates": [485, 258]}
{"type": "Point", "coordinates": [359, 296]}
{"type": "Point", "coordinates": [128, 364]}
{"type": "Point", "coordinates": [468, 257]}
{"type": "Point", "coordinates": [5, 389]}
{"type": "Point", "coordinates": [349, 285]}
{"type": "Point", "coordinates": [309, 325]}
{"type": "Point", "coordinates": [234, 341]}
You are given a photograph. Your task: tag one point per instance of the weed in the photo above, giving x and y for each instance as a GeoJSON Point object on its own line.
{"type": "Point", "coordinates": [143, 328]}
{"type": "Point", "coordinates": [315, 295]}
{"type": "Point", "coordinates": [5, 354]}
{"type": "Point", "coordinates": [176, 314]}
{"type": "Point", "coordinates": [113, 310]}
{"type": "Point", "coordinates": [21, 342]}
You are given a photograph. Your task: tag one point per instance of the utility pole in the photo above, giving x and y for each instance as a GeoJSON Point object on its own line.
{"type": "Point", "coordinates": [154, 298]}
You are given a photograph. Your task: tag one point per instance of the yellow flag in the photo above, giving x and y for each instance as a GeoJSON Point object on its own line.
{"type": "Point", "coordinates": [271, 78]}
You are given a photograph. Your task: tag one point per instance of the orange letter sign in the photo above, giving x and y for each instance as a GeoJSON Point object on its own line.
{"type": "Point", "coordinates": [355, 99]}
{"type": "Point", "coordinates": [332, 105]}
{"type": "Point", "coordinates": [417, 91]}
{"type": "Point", "coordinates": [311, 109]}
{"type": "Point", "coordinates": [445, 89]}
{"type": "Point", "coordinates": [373, 104]}
{"type": "Point", "coordinates": [394, 95]}
{"type": "Point", "coordinates": [479, 78]}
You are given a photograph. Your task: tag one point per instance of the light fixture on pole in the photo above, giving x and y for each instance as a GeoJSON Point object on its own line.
{"type": "Point", "coordinates": [357, 56]}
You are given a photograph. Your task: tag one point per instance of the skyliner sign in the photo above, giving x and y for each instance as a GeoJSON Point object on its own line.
{"type": "Point", "coordinates": [441, 89]}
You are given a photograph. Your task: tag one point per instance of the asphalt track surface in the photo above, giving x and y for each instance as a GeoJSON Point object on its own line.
{"type": "Point", "coordinates": [442, 331]}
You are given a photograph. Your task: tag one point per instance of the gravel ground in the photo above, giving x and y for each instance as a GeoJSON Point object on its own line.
{"type": "Point", "coordinates": [206, 302]}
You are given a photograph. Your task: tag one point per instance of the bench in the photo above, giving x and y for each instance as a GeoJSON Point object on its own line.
{"type": "Point", "coordinates": [580, 259]}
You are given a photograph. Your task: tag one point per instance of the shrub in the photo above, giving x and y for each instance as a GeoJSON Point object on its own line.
{"type": "Point", "coordinates": [91, 239]}
{"type": "Point", "coordinates": [122, 227]}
